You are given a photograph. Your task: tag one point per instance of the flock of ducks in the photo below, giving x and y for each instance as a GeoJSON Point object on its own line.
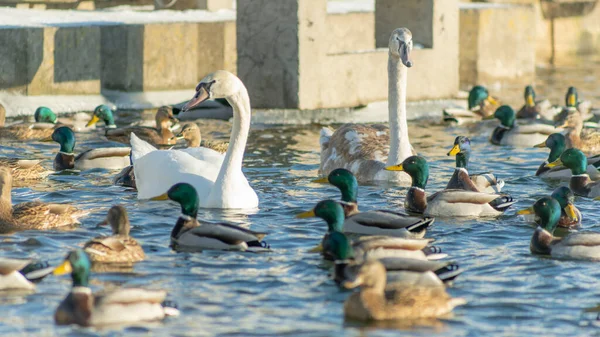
{"type": "Point", "coordinates": [384, 253]}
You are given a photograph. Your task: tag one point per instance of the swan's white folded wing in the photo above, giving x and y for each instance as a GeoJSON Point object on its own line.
{"type": "Point", "coordinates": [139, 147]}
{"type": "Point", "coordinates": [205, 154]}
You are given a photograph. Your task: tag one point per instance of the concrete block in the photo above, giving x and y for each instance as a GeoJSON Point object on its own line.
{"type": "Point", "coordinates": [216, 47]}
{"type": "Point", "coordinates": [352, 31]}
{"type": "Point", "coordinates": [210, 5]}
{"type": "Point", "coordinates": [489, 54]}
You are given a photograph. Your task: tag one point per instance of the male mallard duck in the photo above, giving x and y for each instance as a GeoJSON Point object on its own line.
{"type": "Point", "coordinates": [120, 307]}
{"type": "Point", "coordinates": [570, 216]}
{"type": "Point", "coordinates": [480, 104]}
{"type": "Point", "coordinates": [509, 133]}
{"type": "Point", "coordinates": [20, 274]}
{"type": "Point", "coordinates": [573, 246]}
{"type": "Point", "coordinates": [191, 234]}
{"type": "Point", "coordinates": [161, 135]}
{"type": "Point", "coordinates": [365, 149]}
{"type": "Point", "coordinates": [580, 182]}
{"type": "Point", "coordinates": [22, 169]}
{"type": "Point", "coordinates": [378, 300]}
{"type": "Point", "coordinates": [34, 214]}
{"type": "Point", "coordinates": [585, 139]}
{"type": "Point", "coordinates": [333, 214]}
{"type": "Point", "coordinates": [462, 180]}
{"type": "Point", "coordinates": [536, 109]}
{"type": "Point", "coordinates": [119, 247]}
{"type": "Point", "coordinates": [573, 105]}
{"type": "Point", "coordinates": [556, 142]}
{"type": "Point", "coordinates": [45, 122]}
{"type": "Point", "coordinates": [191, 133]}
{"type": "Point", "coordinates": [107, 157]}
{"type": "Point", "coordinates": [449, 203]}
{"type": "Point", "coordinates": [377, 222]}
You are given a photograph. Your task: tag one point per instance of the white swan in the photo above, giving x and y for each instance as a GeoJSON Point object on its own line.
{"type": "Point", "coordinates": [363, 149]}
{"type": "Point", "coordinates": [218, 179]}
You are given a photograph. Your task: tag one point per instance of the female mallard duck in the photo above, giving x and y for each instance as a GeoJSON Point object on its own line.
{"type": "Point", "coordinates": [462, 180]}
{"type": "Point", "coordinates": [34, 214]}
{"type": "Point", "coordinates": [219, 180]}
{"type": "Point", "coordinates": [536, 109]}
{"type": "Point", "coordinates": [509, 133]}
{"type": "Point", "coordinates": [377, 222]}
{"type": "Point", "coordinates": [119, 247]}
{"type": "Point", "coordinates": [333, 214]}
{"type": "Point", "coordinates": [580, 182]}
{"type": "Point", "coordinates": [556, 142]}
{"type": "Point", "coordinates": [480, 103]}
{"type": "Point", "coordinates": [161, 135]}
{"type": "Point", "coordinates": [18, 274]}
{"type": "Point", "coordinates": [191, 234]}
{"type": "Point", "coordinates": [191, 133]}
{"type": "Point", "coordinates": [585, 139]}
{"type": "Point", "coordinates": [23, 170]}
{"type": "Point", "coordinates": [112, 158]}
{"type": "Point", "coordinates": [378, 300]}
{"type": "Point", "coordinates": [584, 246]}
{"type": "Point", "coordinates": [120, 307]}
{"type": "Point", "coordinates": [45, 123]}
{"type": "Point", "coordinates": [570, 216]}
{"type": "Point", "coordinates": [449, 203]}
{"type": "Point", "coordinates": [363, 149]}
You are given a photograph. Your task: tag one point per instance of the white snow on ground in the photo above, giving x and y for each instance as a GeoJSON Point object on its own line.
{"type": "Point", "coordinates": [349, 6]}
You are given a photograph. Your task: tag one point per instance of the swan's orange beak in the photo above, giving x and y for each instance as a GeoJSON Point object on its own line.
{"type": "Point", "coordinates": [201, 95]}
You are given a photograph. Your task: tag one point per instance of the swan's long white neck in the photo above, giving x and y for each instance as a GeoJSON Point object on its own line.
{"type": "Point", "coordinates": [400, 147]}
{"type": "Point", "coordinates": [232, 164]}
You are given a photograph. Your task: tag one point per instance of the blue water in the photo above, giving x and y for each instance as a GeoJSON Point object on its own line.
{"type": "Point", "coordinates": [287, 292]}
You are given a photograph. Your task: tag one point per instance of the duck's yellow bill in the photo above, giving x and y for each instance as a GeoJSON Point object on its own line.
{"type": "Point", "coordinates": [93, 121]}
{"type": "Point", "coordinates": [571, 100]}
{"type": "Point", "coordinates": [571, 211]}
{"type": "Point", "coordinates": [526, 211]}
{"type": "Point", "coordinates": [395, 168]}
{"type": "Point", "coordinates": [562, 126]}
{"type": "Point", "coordinates": [454, 151]}
{"type": "Point", "coordinates": [307, 214]}
{"type": "Point", "coordinates": [555, 163]}
{"type": "Point", "coordinates": [317, 249]}
{"type": "Point", "coordinates": [323, 180]}
{"type": "Point", "coordinates": [163, 196]}
{"type": "Point", "coordinates": [530, 101]}
{"type": "Point", "coordinates": [543, 144]}
{"type": "Point", "coordinates": [597, 198]}
{"type": "Point", "coordinates": [64, 268]}
{"type": "Point", "coordinates": [492, 100]}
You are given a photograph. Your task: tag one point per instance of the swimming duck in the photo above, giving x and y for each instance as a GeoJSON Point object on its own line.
{"type": "Point", "coordinates": [365, 149]}
{"type": "Point", "coordinates": [33, 214]}
{"type": "Point", "coordinates": [537, 109]}
{"type": "Point", "coordinates": [573, 246]}
{"type": "Point", "coordinates": [20, 274]}
{"type": "Point", "coordinates": [121, 307]}
{"type": "Point", "coordinates": [448, 203]}
{"type": "Point", "coordinates": [585, 139]}
{"type": "Point", "coordinates": [377, 222]}
{"type": "Point", "coordinates": [462, 180]}
{"type": "Point", "coordinates": [570, 216]}
{"type": "Point", "coordinates": [161, 135]}
{"type": "Point", "coordinates": [580, 182]}
{"type": "Point", "coordinates": [556, 142]}
{"type": "Point", "coordinates": [107, 157]}
{"type": "Point", "coordinates": [378, 300]}
{"type": "Point", "coordinates": [509, 133]}
{"type": "Point", "coordinates": [191, 133]}
{"type": "Point", "coordinates": [573, 105]}
{"type": "Point", "coordinates": [191, 234]}
{"type": "Point", "coordinates": [45, 122]}
{"type": "Point", "coordinates": [219, 179]}
{"type": "Point", "coordinates": [480, 104]}
{"type": "Point", "coordinates": [23, 170]}
{"type": "Point", "coordinates": [119, 247]}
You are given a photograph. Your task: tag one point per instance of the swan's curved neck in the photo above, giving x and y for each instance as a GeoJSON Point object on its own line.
{"type": "Point", "coordinates": [240, 102]}
{"type": "Point", "coordinates": [400, 147]}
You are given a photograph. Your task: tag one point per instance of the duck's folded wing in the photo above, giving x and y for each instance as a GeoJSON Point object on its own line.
{"type": "Point", "coordinates": [226, 232]}
{"type": "Point", "coordinates": [386, 220]}
{"type": "Point", "coordinates": [110, 242]}
{"type": "Point", "coordinates": [105, 152]}
{"type": "Point", "coordinates": [8, 265]}
{"type": "Point", "coordinates": [132, 295]}
{"type": "Point", "coordinates": [460, 196]}
{"type": "Point", "coordinates": [537, 128]}
{"type": "Point", "coordinates": [399, 263]}
{"type": "Point", "coordinates": [581, 239]}
{"type": "Point", "coordinates": [388, 242]}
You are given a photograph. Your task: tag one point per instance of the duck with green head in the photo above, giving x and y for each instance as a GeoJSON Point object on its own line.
{"type": "Point", "coordinates": [572, 103]}
{"type": "Point", "coordinates": [376, 222]}
{"type": "Point", "coordinates": [582, 245]}
{"type": "Point", "coordinates": [161, 135]}
{"type": "Point", "coordinates": [462, 180]}
{"type": "Point", "coordinates": [536, 109]}
{"type": "Point", "coordinates": [374, 246]}
{"type": "Point", "coordinates": [113, 158]}
{"type": "Point", "coordinates": [510, 133]}
{"type": "Point", "coordinates": [580, 182]}
{"type": "Point", "coordinates": [556, 142]}
{"type": "Point", "coordinates": [447, 203]}
{"type": "Point", "coordinates": [20, 274]}
{"type": "Point", "coordinates": [480, 104]}
{"type": "Point", "coordinates": [194, 235]}
{"type": "Point", "coordinates": [570, 216]}
{"type": "Point", "coordinates": [120, 307]}
{"type": "Point", "coordinates": [44, 125]}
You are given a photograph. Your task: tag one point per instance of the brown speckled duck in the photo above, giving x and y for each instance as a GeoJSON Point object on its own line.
{"type": "Point", "coordinates": [161, 135]}
{"type": "Point", "coordinates": [24, 170]}
{"type": "Point", "coordinates": [587, 140]}
{"type": "Point", "coordinates": [191, 133]}
{"type": "Point", "coordinates": [32, 215]}
{"type": "Point", "coordinates": [45, 123]}
{"type": "Point", "coordinates": [119, 247]}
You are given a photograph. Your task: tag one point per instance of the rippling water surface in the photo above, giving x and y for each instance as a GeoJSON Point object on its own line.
{"type": "Point", "coordinates": [288, 292]}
